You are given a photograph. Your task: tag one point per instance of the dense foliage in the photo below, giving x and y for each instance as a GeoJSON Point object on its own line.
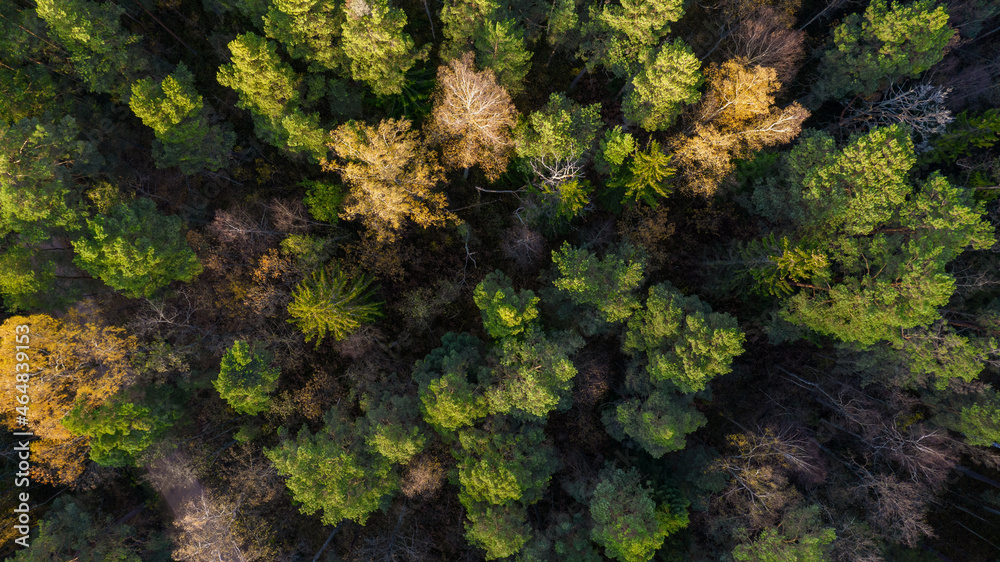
{"type": "Point", "coordinates": [533, 280]}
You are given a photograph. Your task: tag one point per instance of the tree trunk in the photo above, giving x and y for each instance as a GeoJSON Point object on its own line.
{"type": "Point", "coordinates": [577, 79]}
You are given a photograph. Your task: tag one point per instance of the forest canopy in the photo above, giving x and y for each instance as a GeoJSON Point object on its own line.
{"type": "Point", "coordinates": [535, 281]}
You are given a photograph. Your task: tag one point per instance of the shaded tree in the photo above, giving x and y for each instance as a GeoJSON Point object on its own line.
{"type": "Point", "coordinates": [500, 48]}
{"type": "Point", "coordinates": [801, 537]}
{"type": "Point", "coordinates": [309, 30]}
{"type": "Point", "coordinates": [379, 51]}
{"type": "Point", "coordinates": [38, 192]}
{"type": "Point", "coordinates": [499, 530]}
{"type": "Point", "coordinates": [176, 113]}
{"type": "Point", "coordinates": [390, 427]}
{"type": "Point", "coordinates": [69, 532]}
{"type": "Point", "coordinates": [102, 53]}
{"type": "Point", "coordinates": [657, 423]}
{"type": "Point", "coordinates": [534, 375]}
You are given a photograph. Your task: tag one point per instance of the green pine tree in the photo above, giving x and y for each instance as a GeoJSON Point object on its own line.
{"type": "Point", "coordinates": [380, 52]}
{"type": "Point", "coordinates": [664, 84]}
{"type": "Point", "coordinates": [246, 377]}
{"type": "Point", "coordinates": [136, 249]}
{"type": "Point", "coordinates": [331, 304]}
{"type": "Point", "coordinates": [176, 113]}
{"type": "Point", "coordinates": [884, 45]}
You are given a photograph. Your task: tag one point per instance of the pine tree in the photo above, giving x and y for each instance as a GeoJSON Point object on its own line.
{"type": "Point", "coordinates": [658, 423]}
{"type": "Point", "coordinates": [500, 47]}
{"type": "Point", "coordinates": [684, 342]}
{"type": "Point", "coordinates": [330, 303]}
{"type": "Point", "coordinates": [69, 532]}
{"type": "Point", "coordinates": [269, 88]}
{"type": "Point", "coordinates": [615, 148]}
{"type": "Point", "coordinates": [499, 530]}
{"type": "Point", "coordinates": [666, 81]}
{"type": "Point", "coordinates": [378, 50]}
{"type": "Point", "coordinates": [38, 166]}
{"type": "Point", "coordinates": [534, 375]}
{"type": "Point", "coordinates": [626, 521]}
{"type": "Point", "coordinates": [886, 44]}
{"type": "Point", "coordinates": [503, 467]}
{"type": "Point", "coordinates": [449, 380]}
{"type": "Point", "coordinates": [390, 427]}
{"type": "Point", "coordinates": [246, 377]}
{"type": "Point", "coordinates": [265, 83]}
{"type": "Point", "coordinates": [136, 250]}
{"type": "Point", "coordinates": [607, 284]}
{"type": "Point", "coordinates": [309, 30]}
{"type": "Point", "coordinates": [333, 472]}
{"type": "Point", "coordinates": [102, 53]}
{"type": "Point", "coordinates": [124, 427]}
{"type": "Point", "coordinates": [506, 312]}
{"type": "Point", "coordinates": [176, 113]}
{"type": "Point", "coordinates": [620, 36]}
{"type": "Point", "coordinates": [888, 242]}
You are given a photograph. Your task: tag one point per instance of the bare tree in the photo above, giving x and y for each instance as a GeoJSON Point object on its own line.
{"type": "Point", "coordinates": [764, 39]}
{"type": "Point", "coordinates": [916, 453]}
{"type": "Point", "coordinates": [759, 466]}
{"type": "Point", "coordinates": [397, 545]}
{"type": "Point", "coordinates": [206, 533]}
{"type": "Point", "coordinates": [243, 230]}
{"type": "Point", "coordinates": [523, 245]}
{"type": "Point", "coordinates": [921, 109]}
{"type": "Point", "coordinates": [554, 172]}
{"type": "Point", "coordinates": [895, 507]}
{"type": "Point", "coordinates": [472, 119]}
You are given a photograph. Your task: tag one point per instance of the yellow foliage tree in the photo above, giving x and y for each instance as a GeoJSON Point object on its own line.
{"type": "Point", "coordinates": [737, 118]}
{"type": "Point", "coordinates": [67, 359]}
{"type": "Point", "coordinates": [391, 174]}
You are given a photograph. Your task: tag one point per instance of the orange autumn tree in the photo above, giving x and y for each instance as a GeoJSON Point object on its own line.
{"type": "Point", "coordinates": [391, 174]}
{"type": "Point", "coordinates": [737, 117]}
{"type": "Point", "coordinates": [68, 359]}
